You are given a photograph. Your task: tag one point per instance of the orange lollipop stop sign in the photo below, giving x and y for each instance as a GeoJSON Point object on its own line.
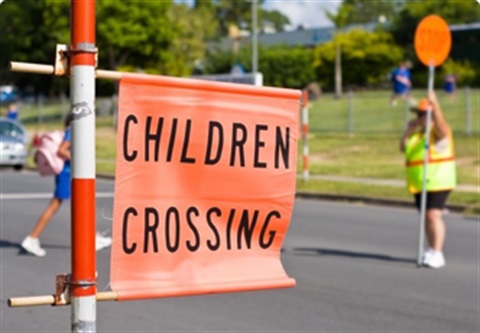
{"type": "Point", "coordinates": [432, 40]}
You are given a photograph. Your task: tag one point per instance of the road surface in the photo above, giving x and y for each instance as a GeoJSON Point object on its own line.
{"type": "Point", "coordinates": [354, 266]}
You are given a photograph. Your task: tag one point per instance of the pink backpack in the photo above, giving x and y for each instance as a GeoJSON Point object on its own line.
{"type": "Point", "coordinates": [48, 162]}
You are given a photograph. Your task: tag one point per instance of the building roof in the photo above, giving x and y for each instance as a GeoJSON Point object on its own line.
{"type": "Point", "coordinates": [313, 36]}
{"type": "Point", "coordinates": [463, 27]}
{"type": "Point", "coordinates": [303, 37]}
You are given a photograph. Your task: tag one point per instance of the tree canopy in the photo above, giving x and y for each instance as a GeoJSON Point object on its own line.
{"type": "Point", "coordinates": [239, 14]}
{"type": "Point", "coordinates": [151, 36]}
{"type": "Point", "coordinates": [171, 38]}
{"type": "Point", "coordinates": [365, 11]}
{"type": "Point", "coordinates": [452, 11]}
{"type": "Point", "coordinates": [130, 33]}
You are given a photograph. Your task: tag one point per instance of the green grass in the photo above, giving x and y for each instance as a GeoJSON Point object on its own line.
{"type": "Point", "coordinates": [378, 156]}
{"type": "Point", "coordinates": [370, 151]}
{"type": "Point", "coordinates": [470, 200]}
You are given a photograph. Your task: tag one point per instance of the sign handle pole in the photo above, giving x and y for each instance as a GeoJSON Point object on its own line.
{"type": "Point", "coordinates": [423, 207]}
{"type": "Point", "coordinates": [83, 284]}
{"type": "Point", "coordinates": [305, 151]}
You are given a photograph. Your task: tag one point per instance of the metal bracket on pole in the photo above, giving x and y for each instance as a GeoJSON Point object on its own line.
{"type": "Point", "coordinates": [62, 58]}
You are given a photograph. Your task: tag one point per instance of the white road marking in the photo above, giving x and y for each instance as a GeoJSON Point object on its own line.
{"type": "Point", "coordinates": [49, 195]}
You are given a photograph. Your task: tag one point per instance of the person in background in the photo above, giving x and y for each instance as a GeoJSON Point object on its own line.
{"type": "Point", "coordinates": [441, 175]}
{"type": "Point", "coordinates": [62, 192]}
{"type": "Point", "coordinates": [450, 86]}
{"type": "Point", "coordinates": [12, 111]}
{"type": "Point", "coordinates": [401, 83]}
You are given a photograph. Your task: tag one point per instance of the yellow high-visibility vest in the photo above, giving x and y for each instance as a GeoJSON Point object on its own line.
{"type": "Point", "coordinates": [441, 170]}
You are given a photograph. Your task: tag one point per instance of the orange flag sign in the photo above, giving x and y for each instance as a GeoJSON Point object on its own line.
{"type": "Point", "coordinates": [204, 187]}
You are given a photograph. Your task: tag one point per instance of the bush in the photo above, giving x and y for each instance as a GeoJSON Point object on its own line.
{"type": "Point", "coordinates": [367, 58]}
{"type": "Point", "coordinates": [281, 66]}
{"type": "Point", "coordinates": [465, 72]}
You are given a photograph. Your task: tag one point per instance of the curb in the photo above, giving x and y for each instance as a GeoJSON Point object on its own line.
{"type": "Point", "coordinates": [350, 198]}
{"type": "Point", "coordinates": [371, 200]}
{"type": "Point", "coordinates": [105, 176]}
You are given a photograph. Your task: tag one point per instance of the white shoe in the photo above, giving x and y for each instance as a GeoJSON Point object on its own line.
{"type": "Point", "coordinates": [426, 255]}
{"type": "Point", "coordinates": [412, 102]}
{"type": "Point", "coordinates": [434, 260]}
{"type": "Point", "coordinates": [102, 242]}
{"type": "Point", "coordinates": [32, 245]}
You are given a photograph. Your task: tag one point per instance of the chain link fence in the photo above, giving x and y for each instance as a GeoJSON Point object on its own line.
{"type": "Point", "coordinates": [370, 112]}
{"type": "Point", "coordinates": [359, 112]}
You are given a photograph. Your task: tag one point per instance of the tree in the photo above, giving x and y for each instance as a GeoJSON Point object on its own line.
{"type": "Point", "coordinates": [367, 58]}
{"type": "Point", "coordinates": [131, 34]}
{"type": "Point", "coordinates": [204, 4]}
{"type": "Point", "coordinates": [194, 28]}
{"type": "Point", "coordinates": [274, 18]}
{"type": "Point", "coordinates": [405, 22]}
{"type": "Point", "coordinates": [232, 12]}
{"type": "Point", "coordinates": [340, 20]}
{"type": "Point", "coordinates": [29, 32]}
{"type": "Point", "coordinates": [366, 11]}
{"type": "Point", "coordinates": [159, 37]}
{"type": "Point", "coordinates": [155, 37]}
{"type": "Point", "coordinates": [239, 14]}
{"type": "Point", "coordinates": [150, 36]}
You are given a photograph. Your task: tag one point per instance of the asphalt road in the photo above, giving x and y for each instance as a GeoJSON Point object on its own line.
{"type": "Point", "coordinates": [354, 266]}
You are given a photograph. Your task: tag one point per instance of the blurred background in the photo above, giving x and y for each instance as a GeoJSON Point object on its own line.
{"type": "Point", "coordinates": [341, 53]}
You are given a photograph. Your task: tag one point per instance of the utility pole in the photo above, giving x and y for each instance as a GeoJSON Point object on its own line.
{"type": "Point", "coordinates": [254, 37]}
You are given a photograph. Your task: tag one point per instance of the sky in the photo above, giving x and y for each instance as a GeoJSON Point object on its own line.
{"type": "Point", "coordinates": [308, 13]}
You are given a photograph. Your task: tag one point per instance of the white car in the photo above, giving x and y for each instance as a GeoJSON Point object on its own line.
{"type": "Point", "coordinates": [13, 144]}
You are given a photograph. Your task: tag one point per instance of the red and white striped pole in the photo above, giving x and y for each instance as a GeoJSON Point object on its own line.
{"type": "Point", "coordinates": [305, 173]}
{"type": "Point", "coordinates": [83, 286]}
